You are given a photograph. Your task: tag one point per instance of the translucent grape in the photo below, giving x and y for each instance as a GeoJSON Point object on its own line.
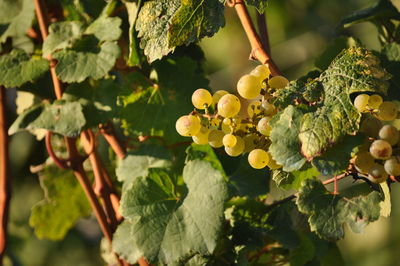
{"type": "Point", "coordinates": [249, 86]}
{"type": "Point", "coordinates": [361, 102]}
{"type": "Point", "coordinates": [227, 121]}
{"type": "Point", "coordinates": [201, 137]}
{"type": "Point", "coordinates": [250, 141]}
{"type": "Point", "coordinates": [229, 140]}
{"type": "Point", "coordinates": [370, 126]}
{"type": "Point", "coordinates": [263, 126]}
{"type": "Point", "coordinates": [237, 149]}
{"type": "Point", "coordinates": [363, 162]}
{"type": "Point", "coordinates": [201, 98]}
{"type": "Point", "coordinates": [269, 108]}
{"type": "Point", "coordinates": [228, 105]}
{"type": "Point", "coordinates": [375, 101]}
{"type": "Point", "coordinates": [272, 164]}
{"type": "Point", "coordinates": [188, 125]}
{"type": "Point", "coordinates": [217, 96]}
{"type": "Point", "coordinates": [215, 138]}
{"type": "Point", "coordinates": [261, 72]}
{"type": "Point", "coordinates": [392, 166]}
{"type": "Point", "coordinates": [377, 174]}
{"type": "Point", "coordinates": [390, 134]}
{"type": "Point", "coordinates": [380, 149]}
{"type": "Point", "coordinates": [254, 108]}
{"type": "Point", "coordinates": [278, 82]}
{"type": "Point", "coordinates": [258, 158]}
{"type": "Point", "coordinates": [387, 111]}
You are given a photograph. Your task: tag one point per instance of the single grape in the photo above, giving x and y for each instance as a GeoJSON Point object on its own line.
{"type": "Point", "coordinates": [258, 158]}
{"type": "Point", "coordinates": [390, 134]}
{"type": "Point", "coordinates": [237, 149]}
{"type": "Point", "coordinates": [361, 102]}
{"type": "Point", "coordinates": [380, 149]}
{"type": "Point", "coordinates": [250, 141]}
{"type": "Point", "coordinates": [217, 96]}
{"type": "Point", "coordinates": [254, 108]}
{"type": "Point", "coordinates": [370, 126]}
{"type": "Point", "coordinates": [377, 174]}
{"type": "Point", "coordinates": [201, 98]}
{"type": "Point", "coordinates": [363, 162]}
{"type": "Point", "coordinates": [263, 126]}
{"type": "Point", "coordinates": [392, 166]}
{"type": "Point", "coordinates": [229, 140]}
{"type": "Point", "coordinates": [249, 86]}
{"type": "Point", "coordinates": [375, 101]}
{"type": "Point", "coordinates": [261, 72]}
{"type": "Point", "coordinates": [269, 108]}
{"type": "Point", "coordinates": [228, 105]}
{"type": "Point", "coordinates": [188, 125]}
{"type": "Point", "coordinates": [215, 138]}
{"type": "Point", "coordinates": [387, 111]}
{"type": "Point", "coordinates": [278, 82]}
{"type": "Point", "coordinates": [201, 137]}
{"type": "Point", "coordinates": [227, 121]}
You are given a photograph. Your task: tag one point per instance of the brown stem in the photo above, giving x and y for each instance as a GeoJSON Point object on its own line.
{"type": "Point", "coordinates": [110, 136]}
{"type": "Point", "coordinates": [263, 31]}
{"type": "Point", "coordinates": [5, 177]}
{"type": "Point", "coordinates": [258, 51]}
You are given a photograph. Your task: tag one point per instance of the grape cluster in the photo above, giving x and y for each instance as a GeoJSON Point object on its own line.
{"type": "Point", "coordinates": [240, 124]}
{"type": "Point", "coordinates": [378, 157]}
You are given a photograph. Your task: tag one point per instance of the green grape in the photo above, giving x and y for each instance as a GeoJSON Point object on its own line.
{"type": "Point", "coordinates": [269, 108]}
{"type": "Point", "coordinates": [188, 125]}
{"type": "Point", "coordinates": [380, 149]}
{"type": "Point", "coordinates": [217, 96]}
{"type": "Point", "coordinates": [237, 149]}
{"type": "Point", "coordinates": [361, 102]}
{"type": "Point", "coordinates": [377, 174]}
{"type": "Point", "coordinates": [254, 108]}
{"type": "Point", "coordinates": [258, 158]}
{"type": "Point", "coordinates": [229, 140]}
{"type": "Point", "coordinates": [370, 126]}
{"type": "Point", "coordinates": [375, 101]}
{"type": "Point", "coordinates": [228, 105]}
{"type": "Point", "coordinates": [392, 166]}
{"type": "Point", "coordinates": [227, 121]}
{"type": "Point", "coordinates": [250, 141]}
{"type": "Point", "coordinates": [201, 98]}
{"type": "Point", "coordinates": [201, 137]}
{"type": "Point", "coordinates": [387, 111]}
{"type": "Point", "coordinates": [278, 82]}
{"type": "Point", "coordinates": [263, 126]}
{"type": "Point", "coordinates": [261, 72]}
{"type": "Point", "coordinates": [363, 162]}
{"type": "Point", "coordinates": [215, 138]}
{"type": "Point", "coordinates": [249, 86]}
{"type": "Point", "coordinates": [390, 134]}
{"type": "Point", "coordinates": [272, 164]}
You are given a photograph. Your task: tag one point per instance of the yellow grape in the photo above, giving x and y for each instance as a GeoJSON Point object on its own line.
{"type": "Point", "coordinates": [380, 149]}
{"type": "Point", "coordinates": [390, 134]}
{"type": "Point", "coordinates": [269, 108]}
{"type": "Point", "coordinates": [370, 126]}
{"type": "Point", "coordinates": [202, 136]}
{"type": "Point", "coordinates": [249, 86]}
{"type": "Point", "coordinates": [375, 101]}
{"type": "Point", "coordinates": [254, 108]}
{"type": "Point", "coordinates": [250, 141]}
{"type": "Point", "coordinates": [387, 111]}
{"type": "Point", "coordinates": [229, 140]}
{"type": "Point", "coordinates": [261, 72]}
{"type": "Point", "coordinates": [272, 164]}
{"type": "Point", "coordinates": [217, 96]}
{"type": "Point", "coordinates": [201, 98]}
{"type": "Point", "coordinates": [227, 121]}
{"type": "Point", "coordinates": [364, 162]}
{"type": "Point", "coordinates": [263, 126]}
{"type": "Point", "coordinates": [228, 105]}
{"type": "Point", "coordinates": [188, 125]}
{"type": "Point", "coordinates": [361, 102]}
{"type": "Point", "coordinates": [215, 138]}
{"type": "Point", "coordinates": [392, 166]}
{"type": "Point", "coordinates": [258, 158]}
{"type": "Point", "coordinates": [377, 174]}
{"type": "Point", "coordinates": [278, 82]}
{"type": "Point", "coordinates": [237, 149]}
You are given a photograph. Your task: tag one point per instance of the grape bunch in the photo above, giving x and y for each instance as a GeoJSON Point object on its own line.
{"type": "Point", "coordinates": [240, 124]}
{"type": "Point", "coordinates": [379, 157]}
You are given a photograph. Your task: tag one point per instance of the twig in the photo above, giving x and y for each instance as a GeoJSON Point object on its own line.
{"type": "Point", "coordinates": [5, 177]}
{"type": "Point", "coordinates": [258, 51]}
{"type": "Point", "coordinates": [108, 133]}
{"type": "Point", "coordinates": [263, 31]}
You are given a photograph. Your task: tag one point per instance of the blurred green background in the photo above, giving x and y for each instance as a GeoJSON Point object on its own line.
{"type": "Point", "coordinates": [299, 32]}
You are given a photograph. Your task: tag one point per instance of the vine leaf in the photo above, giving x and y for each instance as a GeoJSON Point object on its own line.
{"type": "Point", "coordinates": [204, 153]}
{"type": "Point", "coordinates": [260, 5]}
{"type": "Point", "coordinates": [293, 180]}
{"type": "Point", "coordinates": [329, 212]}
{"type": "Point", "coordinates": [17, 68]}
{"type": "Point", "coordinates": [165, 228]}
{"type": "Point", "coordinates": [64, 204]}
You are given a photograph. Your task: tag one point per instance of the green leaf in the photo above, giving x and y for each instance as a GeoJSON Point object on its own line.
{"type": "Point", "coordinates": [166, 229]}
{"type": "Point", "coordinates": [204, 153]}
{"type": "Point", "coordinates": [354, 70]}
{"type": "Point", "coordinates": [285, 139]}
{"type": "Point", "coordinates": [293, 180]}
{"type": "Point", "coordinates": [391, 61]}
{"type": "Point", "coordinates": [328, 212]}
{"type": "Point", "coordinates": [304, 252]}
{"type": "Point", "coordinates": [138, 163]}
{"type": "Point", "coordinates": [134, 53]}
{"type": "Point", "coordinates": [153, 25]}
{"type": "Point", "coordinates": [105, 28]}
{"type": "Point", "coordinates": [65, 118]}
{"type": "Point", "coordinates": [260, 5]}
{"type": "Point", "coordinates": [194, 20]}
{"type": "Point", "coordinates": [64, 204]}
{"type": "Point", "coordinates": [17, 68]}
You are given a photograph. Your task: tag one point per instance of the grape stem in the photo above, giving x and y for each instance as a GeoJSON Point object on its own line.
{"type": "Point", "coordinates": [257, 50]}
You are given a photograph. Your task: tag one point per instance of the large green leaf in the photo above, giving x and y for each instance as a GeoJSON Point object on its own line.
{"type": "Point", "coordinates": [16, 17]}
{"type": "Point", "coordinates": [204, 153]}
{"type": "Point", "coordinates": [328, 213]}
{"type": "Point", "coordinates": [165, 228]}
{"type": "Point", "coordinates": [64, 204]}
{"type": "Point", "coordinates": [17, 68]}
{"type": "Point", "coordinates": [293, 180]}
